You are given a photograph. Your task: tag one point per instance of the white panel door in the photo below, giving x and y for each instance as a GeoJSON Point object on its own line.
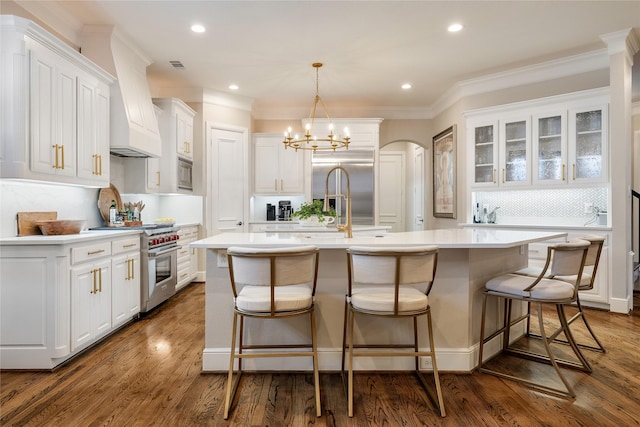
{"type": "Point", "coordinates": [391, 205]}
{"type": "Point", "coordinates": [228, 175]}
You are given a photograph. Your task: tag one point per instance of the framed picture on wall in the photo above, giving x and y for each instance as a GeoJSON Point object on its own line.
{"type": "Point", "coordinates": [444, 173]}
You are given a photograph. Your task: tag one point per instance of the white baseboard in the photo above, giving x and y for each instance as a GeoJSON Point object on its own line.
{"type": "Point", "coordinates": [621, 305]}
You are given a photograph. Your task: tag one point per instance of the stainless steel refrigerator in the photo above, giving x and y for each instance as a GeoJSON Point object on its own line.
{"type": "Point", "coordinates": [359, 166]}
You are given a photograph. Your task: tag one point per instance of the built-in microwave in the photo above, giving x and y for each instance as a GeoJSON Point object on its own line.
{"type": "Point", "coordinates": [185, 174]}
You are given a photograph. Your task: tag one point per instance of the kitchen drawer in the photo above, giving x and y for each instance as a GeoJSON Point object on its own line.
{"type": "Point", "coordinates": [90, 252]}
{"type": "Point", "coordinates": [125, 245]}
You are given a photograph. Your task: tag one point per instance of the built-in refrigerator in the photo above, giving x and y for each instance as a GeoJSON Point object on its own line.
{"type": "Point", "coordinates": [359, 165]}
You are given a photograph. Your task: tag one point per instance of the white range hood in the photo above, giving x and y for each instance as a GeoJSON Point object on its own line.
{"type": "Point", "coordinates": [134, 126]}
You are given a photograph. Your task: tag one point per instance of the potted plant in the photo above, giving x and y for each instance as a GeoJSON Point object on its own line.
{"type": "Point", "coordinates": [312, 213]}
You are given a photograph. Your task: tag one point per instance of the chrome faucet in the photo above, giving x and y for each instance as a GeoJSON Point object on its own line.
{"type": "Point", "coordinates": [347, 228]}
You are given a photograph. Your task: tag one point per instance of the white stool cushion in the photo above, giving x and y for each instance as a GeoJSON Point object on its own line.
{"type": "Point", "coordinates": [585, 279]}
{"type": "Point", "coordinates": [287, 298]}
{"type": "Point", "coordinates": [546, 289]}
{"type": "Point", "coordinates": [381, 298]}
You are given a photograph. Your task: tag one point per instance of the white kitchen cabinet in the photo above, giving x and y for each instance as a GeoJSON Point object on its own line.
{"type": "Point", "coordinates": [62, 99]}
{"type": "Point", "coordinates": [58, 299]}
{"type": "Point", "coordinates": [90, 302]}
{"type": "Point", "coordinates": [555, 141]}
{"type": "Point", "coordinates": [501, 151]}
{"type": "Point", "coordinates": [187, 257]}
{"type": "Point", "coordinates": [277, 170]}
{"type": "Point", "coordinates": [161, 175]}
{"type": "Point", "coordinates": [125, 280]}
{"type": "Point", "coordinates": [93, 130]}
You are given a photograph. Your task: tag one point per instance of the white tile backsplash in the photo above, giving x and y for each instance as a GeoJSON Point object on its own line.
{"type": "Point", "coordinates": [565, 206]}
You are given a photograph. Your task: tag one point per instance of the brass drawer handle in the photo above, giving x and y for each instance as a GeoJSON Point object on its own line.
{"type": "Point", "coordinates": [95, 252]}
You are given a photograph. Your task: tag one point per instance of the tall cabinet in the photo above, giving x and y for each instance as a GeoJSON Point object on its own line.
{"type": "Point", "coordinates": [276, 170]}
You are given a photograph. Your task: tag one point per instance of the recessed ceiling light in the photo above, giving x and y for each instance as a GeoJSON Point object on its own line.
{"type": "Point", "coordinates": [234, 87]}
{"type": "Point", "coordinates": [197, 28]}
{"type": "Point", "coordinates": [406, 86]}
{"type": "Point", "coordinates": [454, 28]}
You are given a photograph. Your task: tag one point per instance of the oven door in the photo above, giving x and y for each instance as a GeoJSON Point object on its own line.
{"type": "Point", "coordinates": [162, 277]}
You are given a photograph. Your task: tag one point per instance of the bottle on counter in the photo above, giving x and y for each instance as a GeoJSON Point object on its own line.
{"type": "Point", "coordinates": [113, 213]}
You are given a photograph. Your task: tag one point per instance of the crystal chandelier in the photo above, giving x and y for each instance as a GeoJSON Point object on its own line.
{"type": "Point", "coordinates": [311, 141]}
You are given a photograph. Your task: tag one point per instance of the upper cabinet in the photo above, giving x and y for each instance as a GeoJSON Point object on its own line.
{"type": "Point", "coordinates": [277, 170]}
{"type": "Point", "coordinates": [171, 173]}
{"type": "Point", "coordinates": [556, 141]}
{"type": "Point", "coordinates": [55, 106]}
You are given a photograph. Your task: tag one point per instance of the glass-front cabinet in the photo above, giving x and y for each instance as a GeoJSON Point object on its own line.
{"type": "Point", "coordinates": [550, 148]}
{"type": "Point", "coordinates": [588, 150]}
{"type": "Point", "coordinates": [485, 157]}
{"type": "Point", "coordinates": [515, 152]}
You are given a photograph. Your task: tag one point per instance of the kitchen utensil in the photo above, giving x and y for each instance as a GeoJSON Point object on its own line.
{"type": "Point", "coordinates": [27, 225]}
{"type": "Point", "coordinates": [61, 226]}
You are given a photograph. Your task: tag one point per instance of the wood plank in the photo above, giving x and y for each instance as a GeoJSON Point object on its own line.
{"type": "Point", "coordinates": [26, 222]}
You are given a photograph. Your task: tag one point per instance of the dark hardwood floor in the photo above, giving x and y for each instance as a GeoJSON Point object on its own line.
{"type": "Point", "coordinates": [149, 374]}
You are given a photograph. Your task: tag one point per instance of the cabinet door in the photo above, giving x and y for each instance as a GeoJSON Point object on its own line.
{"type": "Point", "coordinates": [485, 153]}
{"type": "Point", "coordinates": [154, 175]}
{"type": "Point", "coordinates": [125, 287]}
{"type": "Point", "coordinates": [52, 113]}
{"type": "Point", "coordinates": [90, 302]}
{"type": "Point", "coordinates": [550, 148]}
{"type": "Point", "coordinates": [588, 148]}
{"type": "Point", "coordinates": [515, 149]}
{"type": "Point", "coordinates": [93, 131]}
{"type": "Point", "coordinates": [266, 179]}
{"type": "Point", "coordinates": [291, 167]}
{"type": "Point", "coordinates": [184, 135]}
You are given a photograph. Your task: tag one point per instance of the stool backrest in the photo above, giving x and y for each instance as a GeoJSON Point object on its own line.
{"type": "Point", "coordinates": [273, 266]}
{"type": "Point", "coordinates": [393, 265]}
{"type": "Point", "coordinates": [567, 259]}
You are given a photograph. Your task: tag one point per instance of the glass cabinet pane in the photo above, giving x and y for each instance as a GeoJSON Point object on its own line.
{"type": "Point", "coordinates": [483, 156]}
{"type": "Point", "coordinates": [588, 145]}
{"type": "Point", "coordinates": [515, 152]}
{"type": "Point", "coordinates": [550, 148]}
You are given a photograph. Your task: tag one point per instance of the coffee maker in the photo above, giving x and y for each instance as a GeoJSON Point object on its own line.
{"type": "Point", "coordinates": [284, 210]}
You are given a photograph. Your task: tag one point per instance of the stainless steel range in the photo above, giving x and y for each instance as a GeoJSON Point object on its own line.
{"type": "Point", "coordinates": [159, 261]}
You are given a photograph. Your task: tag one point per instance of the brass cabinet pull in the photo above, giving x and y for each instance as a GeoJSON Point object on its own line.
{"type": "Point", "coordinates": [62, 150]}
{"type": "Point", "coordinates": [93, 273]}
{"type": "Point", "coordinates": [95, 165]}
{"type": "Point", "coordinates": [55, 147]}
{"type": "Point", "coordinates": [494, 176]}
{"type": "Point", "coordinates": [133, 270]}
{"type": "Point", "coordinates": [100, 157]}
{"type": "Point", "coordinates": [95, 252]}
{"type": "Point", "coordinates": [129, 245]}
{"type": "Point", "coordinates": [183, 275]}
{"type": "Point", "coordinates": [574, 171]}
{"type": "Point", "coordinates": [100, 280]}
{"type": "Point", "coordinates": [563, 167]}
{"type": "Point", "coordinates": [282, 184]}
{"type": "Point", "coordinates": [158, 182]}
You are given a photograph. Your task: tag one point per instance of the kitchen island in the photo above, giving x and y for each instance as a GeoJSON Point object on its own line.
{"type": "Point", "coordinates": [467, 259]}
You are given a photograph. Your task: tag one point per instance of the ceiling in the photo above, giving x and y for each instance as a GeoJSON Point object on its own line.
{"type": "Point", "coordinates": [369, 48]}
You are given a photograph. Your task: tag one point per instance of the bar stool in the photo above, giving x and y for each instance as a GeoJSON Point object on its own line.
{"type": "Point", "coordinates": [392, 282]}
{"type": "Point", "coordinates": [563, 259]}
{"type": "Point", "coordinates": [586, 283]}
{"type": "Point", "coordinates": [272, 283]}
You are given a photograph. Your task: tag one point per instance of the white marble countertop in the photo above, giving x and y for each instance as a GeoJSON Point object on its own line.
{"type": "Point", "coordinates": [83, 236]}
{"type": "Point", "coordinates": [446, 238]}
{"type": "Point", "coordinates": [297, 228]}
{"type": "Point", "coordinates": [583, 228]}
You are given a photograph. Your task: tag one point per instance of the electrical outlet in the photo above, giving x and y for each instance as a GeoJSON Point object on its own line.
{"type": "Point", "coordinates": [588, 207]}
{"type": "Point", "coordinates": [222, 259]}
{"type": "Point", "coordinates": [426, 363]}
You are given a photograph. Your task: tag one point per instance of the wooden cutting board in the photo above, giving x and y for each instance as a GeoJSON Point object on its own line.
{"type": "Point", "coordinates": [26, 222]}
